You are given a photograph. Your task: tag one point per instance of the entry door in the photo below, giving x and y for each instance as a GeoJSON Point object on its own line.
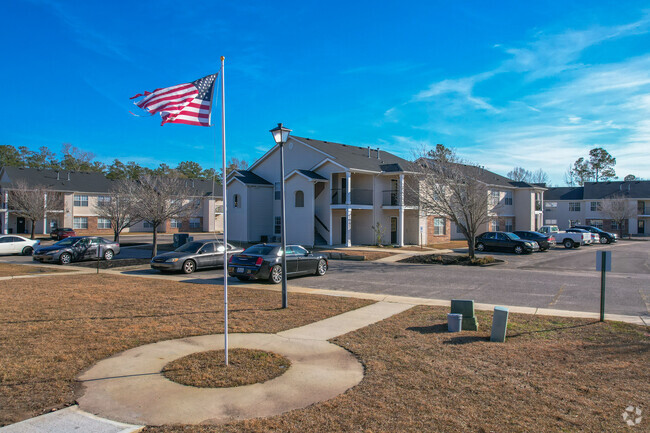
{"type": "Point", "coordinates": [20, 225]}
{"type": "Point", "coordinates": [641, 229]}
{"type": "Point", "coordinates": [394, 188]}
{"type": "Point", "coordinates": [344, 230]}
{"type": "Point", "coordinates": [393, 230]}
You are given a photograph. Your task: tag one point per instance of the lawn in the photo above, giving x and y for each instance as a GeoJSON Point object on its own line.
{"type": "Point", "coordinates": [13, 270]}
{"type": "Point", "coordinates": [52, 328]}
{"type": "Point", "coordinates": [553, 374]}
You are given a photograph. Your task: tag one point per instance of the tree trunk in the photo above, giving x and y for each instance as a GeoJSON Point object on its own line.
{"type": "Point", "coordinates": [116, 236]}
{"type": "Point", "coordinates": [33, 227]}
{"type": "Point", "coordinates": [470, 244]}
{"type": "Point", "coordinates": [154, 250]}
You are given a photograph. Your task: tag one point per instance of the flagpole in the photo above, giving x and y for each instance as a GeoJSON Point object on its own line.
{"type": "Point", "coordinates": [225, 213]}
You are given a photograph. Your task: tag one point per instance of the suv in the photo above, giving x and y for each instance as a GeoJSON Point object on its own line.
{"type": "Point", "coordinates": [62, 233]}
{"type": "Point", "coordinates": [605, 237]}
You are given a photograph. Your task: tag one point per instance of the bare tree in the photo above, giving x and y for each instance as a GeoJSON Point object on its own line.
{"type": "Point", "coordinates": [32, 202]}
{"type": "Point", "coordinates": [118, 207]}
{"type": "Point", "coordinates": [618, 209]}
{"type": "Point", "coordinates": [156, 199]}
{"type": "Point", "coordinates": [453, 189]}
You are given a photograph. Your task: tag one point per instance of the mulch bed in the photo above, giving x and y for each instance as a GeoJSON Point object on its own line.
{"type": "Point", "coordinates": [53, 328]}
{"type": "Point", "coordinates": [109, 264]}
{"type": "Point", "coordinates": [349, 254]}
{"type": "Point", "coordinates": [208, 369]}
{"type": "Point", "coordinates": [451, 259]}
{"type": "Point", "coordinates": [552, 374]}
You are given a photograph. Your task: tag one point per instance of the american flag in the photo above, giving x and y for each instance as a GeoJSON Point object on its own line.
{"type": "Point", "coordinates": [189, 103]}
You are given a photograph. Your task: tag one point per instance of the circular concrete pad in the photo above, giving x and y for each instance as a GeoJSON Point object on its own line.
{"type": "Point", "coordinates": [129, 387]}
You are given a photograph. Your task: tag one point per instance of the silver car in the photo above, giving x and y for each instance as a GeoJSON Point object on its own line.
{"type": "Point", "coordinates": [192, 256]}
{"type": "Point", "coordinates": [77, 248]}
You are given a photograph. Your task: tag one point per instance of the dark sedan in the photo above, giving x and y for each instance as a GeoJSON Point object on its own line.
{"type": "Point", "coordinates": [504, 241]}
{"type": "Point", "coordinates": [77, 248]}
{"type": "Point", "coordinates": [605, 237]}
{"type": "Point", "coordinates": [192, 256]}
{"type": "Point", "coordinates": [545, 242]}
{"type": "Point", "coordinates": [264, 262]}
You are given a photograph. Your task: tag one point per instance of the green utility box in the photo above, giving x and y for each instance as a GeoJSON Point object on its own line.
{"type": "Point", "coordinates": [499, 324]}
{"type": "Point", "coordinates": [466, 308]}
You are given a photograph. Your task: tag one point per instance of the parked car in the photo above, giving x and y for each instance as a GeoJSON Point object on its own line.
{"type": "Point", "coordinates": [568, 239]}
{"type": "Point", "coordinates": [605, 237]}
{"type": "Point", "coordinates": [264, 262]}
{"type": "Point", "coordinates": [594, 237]}
{"type": "Point", "coordinates": [76, 249]}
{"type": "Point", "coordinates": [192, 256]}
{"type": "Point", "coordinates": [12, 244]}
{"type": "Point", "coordinates": [504, 241]}
{"type": "Point", "coordinates": [62, 233]}
{"type": "Point", "coordinates": [544, 241]}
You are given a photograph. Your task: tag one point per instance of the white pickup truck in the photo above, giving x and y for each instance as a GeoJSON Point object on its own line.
{"type": "Point", "coordinates": [569, 240]}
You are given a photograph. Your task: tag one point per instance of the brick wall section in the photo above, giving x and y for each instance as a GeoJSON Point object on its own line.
{"type": "Point", "coordinates": [437, 239]}
{"type": "Point", "coordinates": [92, 229]}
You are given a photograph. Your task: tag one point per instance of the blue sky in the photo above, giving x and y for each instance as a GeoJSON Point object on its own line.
{"type": "Point", "coordinates": [534, 84]}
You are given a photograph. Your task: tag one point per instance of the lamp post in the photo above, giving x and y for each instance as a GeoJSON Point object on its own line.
{"type": "Point", "coordinates": [281, 135]}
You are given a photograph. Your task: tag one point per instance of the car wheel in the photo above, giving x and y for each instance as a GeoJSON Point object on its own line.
{"type": "Point", "coordinates": [480, 247]}
{"type": "Point", "coordinates": [65, 259]}
{"type": "Point", "coordinates": [27, 251]}
{"type": "Point", "coordinates": [321, 268]}
{"type": "Point", "coordinates": [519, 249]}
{"type": "Point", "coordinates": [189, 266]}
{"type": "Point", "coordinates": [243, 278]}
{"type": "Point", "coordinates": [568, 243]}
{"type": "Point", "coordinates": [604, 240]}
{"type": "Point", "coordinates": [275, 275]}
{"type": "Point", "coordinates": [108, 254]}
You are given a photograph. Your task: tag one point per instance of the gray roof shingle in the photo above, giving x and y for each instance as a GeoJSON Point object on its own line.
{"type": "Point", "coordinates": [564, 193]}
{"type": "Point", "coordinates": [312, 175]}
{"type": "Point", "coordinates": [78, 181]}
{"type": "Point", "coordinates": [250, 178]}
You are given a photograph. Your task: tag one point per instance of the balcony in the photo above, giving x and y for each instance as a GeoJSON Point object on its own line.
{"type": "Point", "coordinates": [391, 198]}
{"type": "Point", "coordinates": [357, 196]}
{"type": "Point", "coordinates": [538, 205]}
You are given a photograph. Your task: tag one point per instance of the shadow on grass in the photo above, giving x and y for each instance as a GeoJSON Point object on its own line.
{"type": "Point", "coordinates": [557, 328]}
{"type": "Point", "coordinates": [466, 339]}
{"type": "Point", "coordinates": [440, 328]}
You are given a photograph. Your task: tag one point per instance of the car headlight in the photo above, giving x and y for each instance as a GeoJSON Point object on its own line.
{"type": "Point", "coordinates": [529, 244]}
{"type": "Point", "coordinates": [172, 260]}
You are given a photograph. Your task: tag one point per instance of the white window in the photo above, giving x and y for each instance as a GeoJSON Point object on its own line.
{"type": "Point", "coordinates": [508, 224]}
{"type": "Point", "coordinates": [103, 200]}
{"type": "Point", "coordinates": [494, 198]}
{"type": "Point", "coordinates": [195, 223]}
{"type": "Point", "coordinates": [278, 192]}
{"type": "Point", "coordinates": [508, 199]}
{"type": "Point", "coordinates": [235, 201]}
{"type": "Point", "coordinates": [550, 222]}
{"type": "Point", "coordinates": [80, 222]}
{"type": "Point", "coordinates": [550, 204]}
{"type": "Point", "coordinates": [595, 206]}
{"type": "Point", "coordinates": [147, 225]}
{"type": "Point", "coordinates": [278, 225]}
{"type": "Point", "coordinates": [439, 226]}
{"type": "Point", "coordinates": [103, 223]}
{"type": "Point", "coordinates": [176, 224]}
{"type": "Point", "coordinates": [81, 200]}
{"type": "Point", "coordinates": [574, 206]}
{"type": "Point", "coordinates": [597, 223]}
{"type": "Point", "coordinates": [300, 199]}
{"type": "Point", "coordinates": [494, 225]}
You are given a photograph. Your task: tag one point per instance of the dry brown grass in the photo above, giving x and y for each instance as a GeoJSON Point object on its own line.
{"type": "Point", "coordinates": [553, 374]}
{"type": "Point", "coordinates": [208, 369]}
{"type": "Point", "coordinates": [14, 270]}
{"type": "Point", "coordinates": [368, 255]}
{"type": "Point", "coordinates": [53, 328]}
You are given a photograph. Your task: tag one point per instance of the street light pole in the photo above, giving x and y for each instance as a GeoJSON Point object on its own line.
{"type": "Point", "coordinates": [281, 135]}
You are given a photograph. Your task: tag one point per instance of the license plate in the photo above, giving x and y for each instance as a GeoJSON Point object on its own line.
{"type": "Point", "coordinates": [240, 270]}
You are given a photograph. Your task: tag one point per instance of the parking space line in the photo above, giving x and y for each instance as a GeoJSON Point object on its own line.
{"type": "Point", "coordinates": [557, 296]}
{"type": "Point", "coordinates": [646, 300]}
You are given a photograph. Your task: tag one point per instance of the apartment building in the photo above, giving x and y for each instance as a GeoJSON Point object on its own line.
{"type": "Point", "coordinates": [337, 194]}
{"type": "Point", "coordinates": [567, 206]}
{"type": "Point", "coordinates": [77, 195]}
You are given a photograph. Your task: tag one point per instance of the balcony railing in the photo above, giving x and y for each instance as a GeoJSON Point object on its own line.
{"type": "Point", "coordinates": [391, 198]}
{"type": "Point", "coordinates": [357, 196]}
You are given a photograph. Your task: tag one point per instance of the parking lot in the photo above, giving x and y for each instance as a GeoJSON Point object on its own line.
{"type": "Point", "coordinates": [559, 279]}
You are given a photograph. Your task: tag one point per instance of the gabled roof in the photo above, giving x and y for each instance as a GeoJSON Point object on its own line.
{"type": "Point", "coordinates": [489, 177]}
{"type": "Point", "coordinates": [354, 157]}
{"type": "Point", "coordinates": [633, 189]}
{"type": "Point", "coordinates": [249, 178]}
{"type": "Point", "coordinates": [564, 193]}
{"type": "Point", "coordinates": [311, 174]}
{"type": "Point", "coordinates": [56, 181]}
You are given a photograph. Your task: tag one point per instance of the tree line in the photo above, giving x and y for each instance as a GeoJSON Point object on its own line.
{"type": "Point", "coordinates": [72, 158]}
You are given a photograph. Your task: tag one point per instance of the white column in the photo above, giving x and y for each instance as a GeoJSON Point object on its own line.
{"type": "Point", "coordinates": [45, 214]}
{"type": "Point", "coordinates": [348, 187]}
{"type": "Point", "coordinates": [348, 226]}
{"type": "Point", "coordinates": [5, 223]}
{"type": "Point", "coordinates": [331, 227]}
{"type": "Point", "coordinates": [400, 220]}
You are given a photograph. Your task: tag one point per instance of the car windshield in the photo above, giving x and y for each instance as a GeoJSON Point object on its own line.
{"type": "Point", "coordinates": [190, 247]}
{"type": "Point", "coordinates": [66, 242]}
{"type": "Point", "coordinates": [513, 236]}
{"type": "Point", "coordinates": [259, 250]}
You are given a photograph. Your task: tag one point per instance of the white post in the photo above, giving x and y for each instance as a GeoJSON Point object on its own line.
{"type": "Point", "coordinates": [5, 223]}
{"type": "Point", "coordinates": [348, 227]}
{"type": "Point", "coordinates": [45, 213]}
{"type": "Point", "coordinates": [400, 229]}
{"type": "Point", "coordinates": [348, 187]}
{"type": "Point", "coordinates": [225, 213]}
